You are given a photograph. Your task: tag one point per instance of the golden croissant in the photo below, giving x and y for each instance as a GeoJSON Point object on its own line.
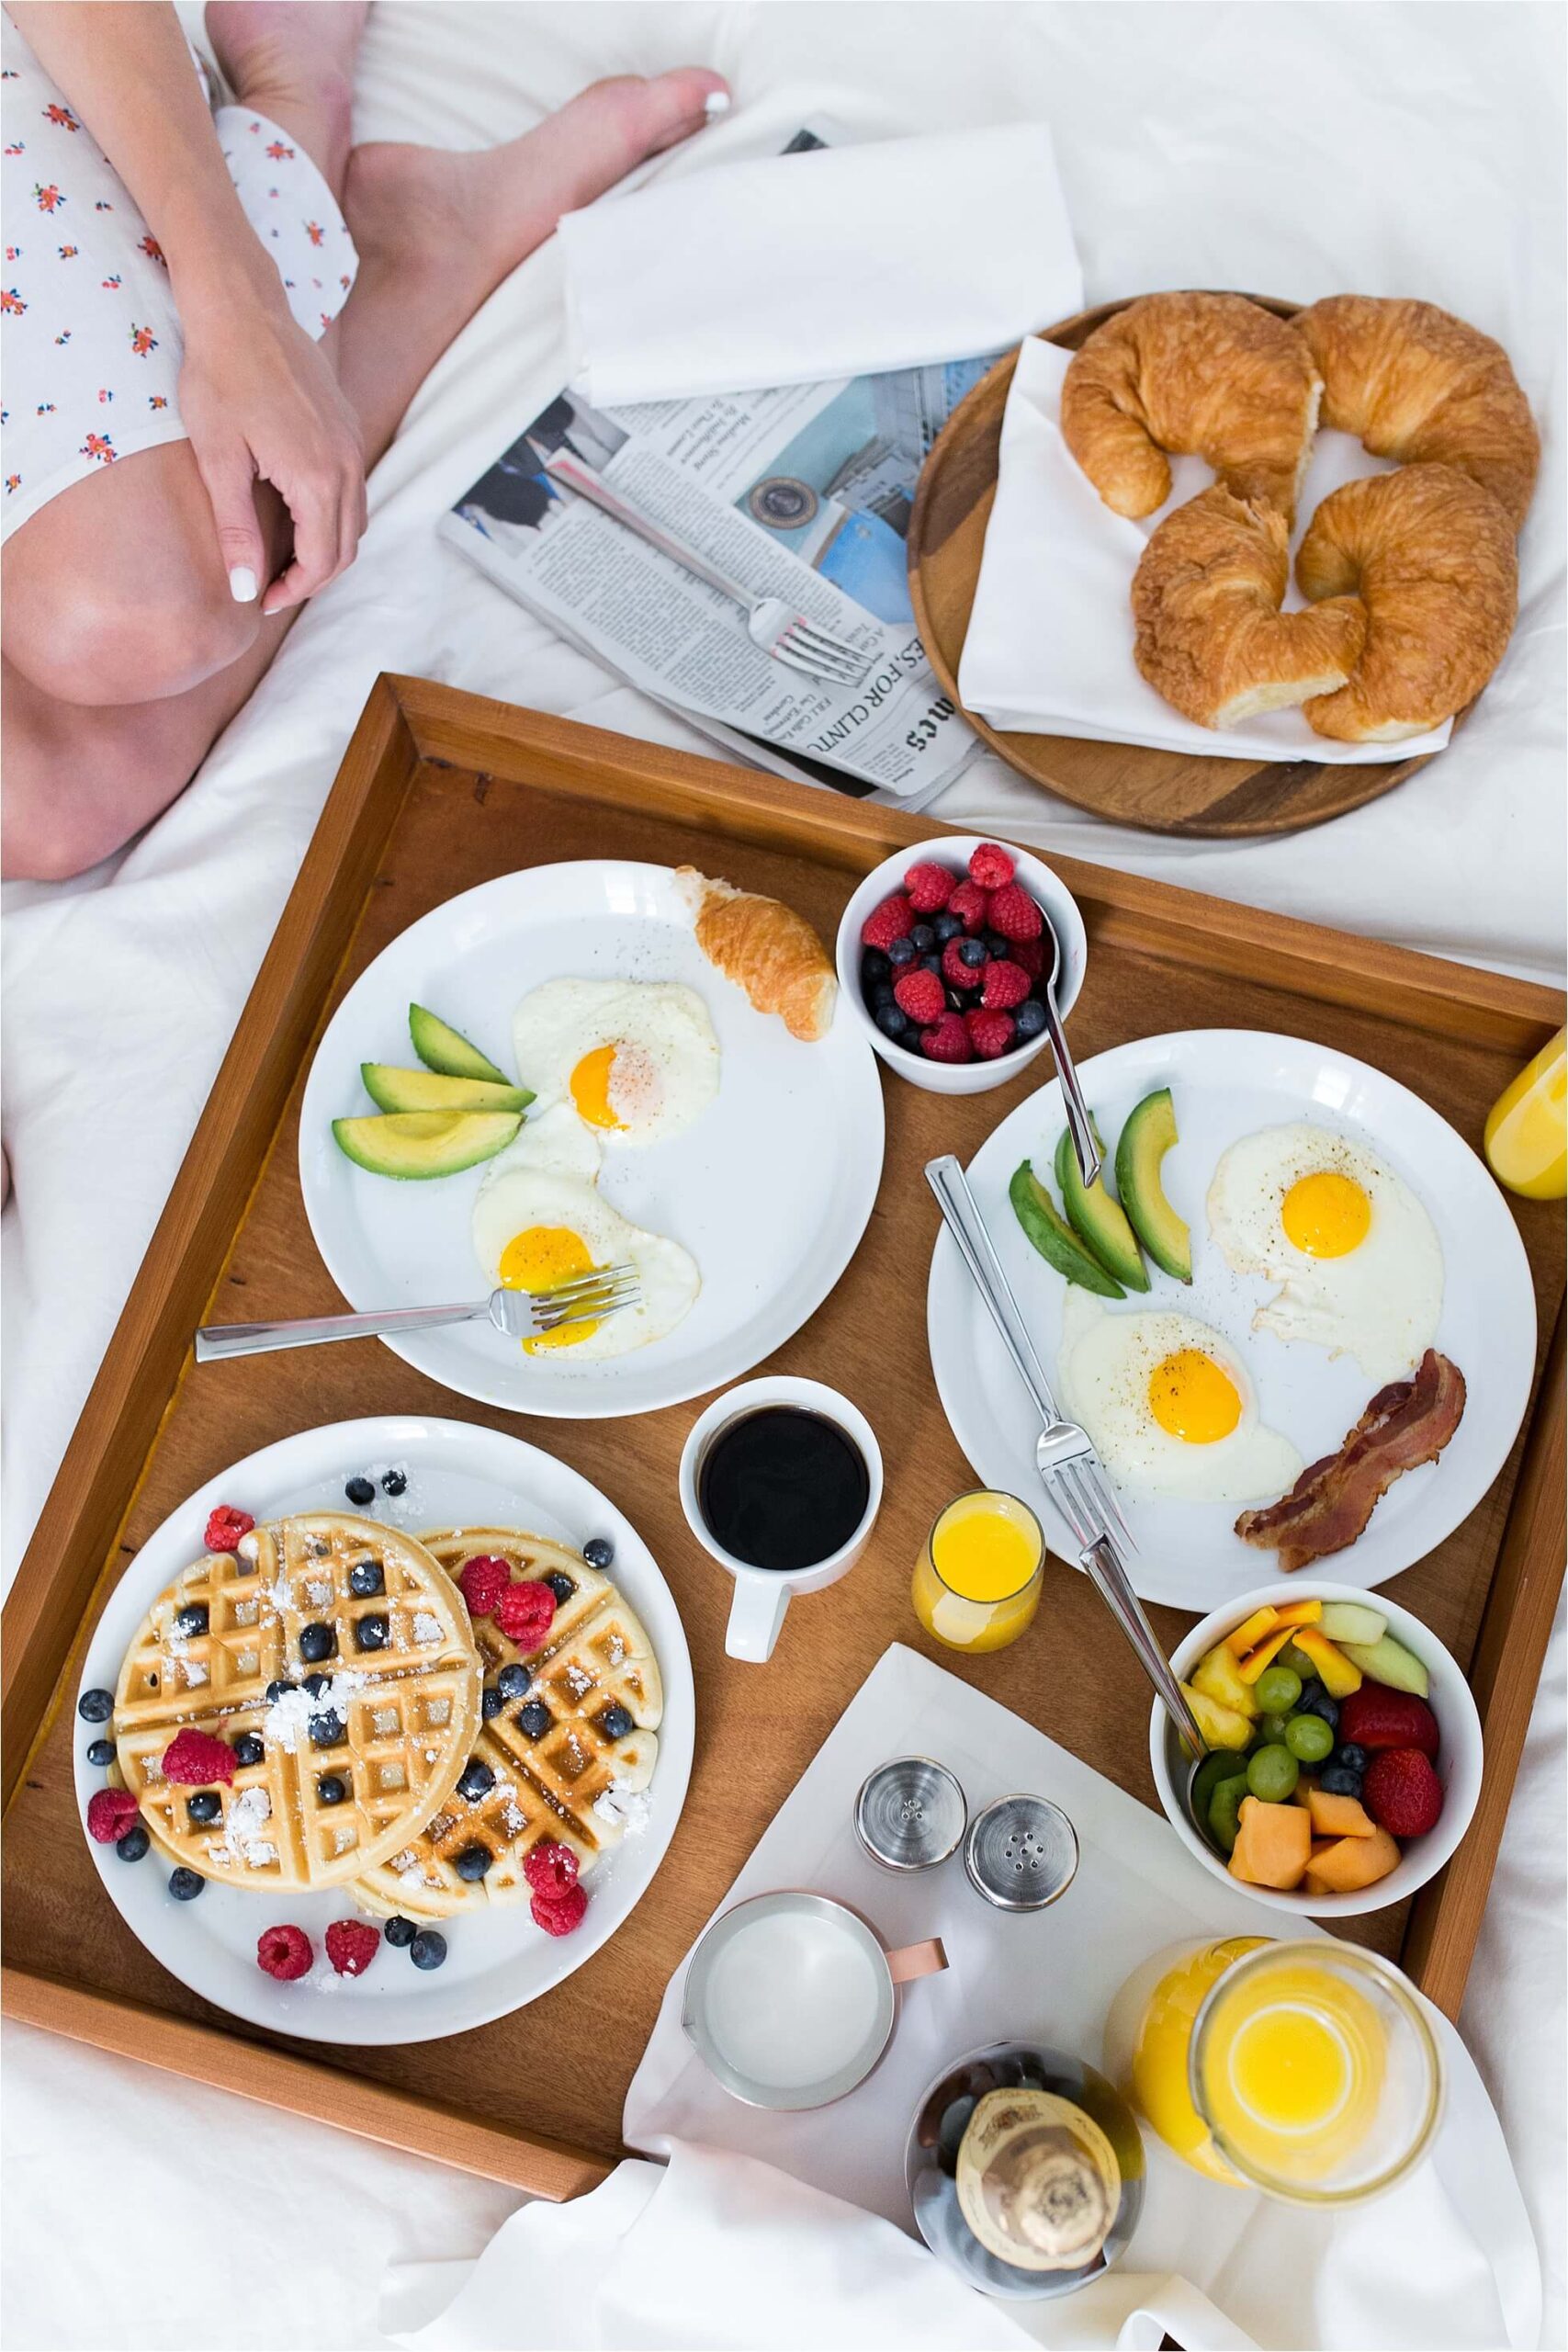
{"type": "Point", "coordinates": [1413, 382]}
{"type": "Point", "coordinates": [1209, 375]}
{"type": "Point", "coordinates": [766, 948]}
{"type": "Point", "coordinates": [1432, 556]}
{"type": "Point", "coordinates": [1211, 636]}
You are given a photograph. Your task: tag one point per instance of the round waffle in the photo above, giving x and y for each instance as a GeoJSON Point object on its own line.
{"type": "Point", "coordinates": [570, 1780]}
{"type": "Point", "coordinates": [393, 1723]}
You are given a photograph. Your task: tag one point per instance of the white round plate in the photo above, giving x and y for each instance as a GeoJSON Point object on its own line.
{"type": "Point", "coordinates": [498, 1959]}
{"type": "Point", "coordinates": [1227, 1083]}
{"type": "Point", "coordinates": [770, 1190]}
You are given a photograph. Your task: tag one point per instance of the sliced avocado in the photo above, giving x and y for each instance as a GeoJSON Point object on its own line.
{"type": "Point", "coordinates": [1055, 1238]}
{"type": "Point", "coordinates": [440, 1048]}
{"type": "Point", "coordinates": [1148, 1134]}
{"type": "Point", "coordinates": [426, 1143]}
{"type": "Point", "coordinates": [427, 1089]}
{"type": "Point", "coordinates": [1096, 1218]}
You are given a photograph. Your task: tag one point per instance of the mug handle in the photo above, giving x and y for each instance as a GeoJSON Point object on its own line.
{"type": "Point", "coordinates": [755, 1615]}
{"type": "Point", "coordinates": [915, 1960]}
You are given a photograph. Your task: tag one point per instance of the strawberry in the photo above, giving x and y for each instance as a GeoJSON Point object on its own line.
{"type": "Point", "coordinates": [990, 1033]}
{"type": "Point", "coordinates": [1005, 984]}
{"type": "Point", "coordinates": [894, 918]}
{"type": "Point", "coordinates": [930, 886]}
{"type": "Point", "coordinates": [920, 995]}
{"type": "Point", "coordinates": [954, 970]}
{"type": "Point", "coordinates": [969, 903]}
{"type": "Point", "coordinates": [990, 867]}
{"type": "Point", "coordinates": [1374, 1716]}
{"type": "Point", "coordinates": [1401, 1793]}
{"type": "Point", "coordinates": [948, 1042]}
{"type": "Point", "coordinates": [1014, 913]}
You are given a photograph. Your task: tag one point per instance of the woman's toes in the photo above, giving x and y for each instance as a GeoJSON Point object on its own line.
{"type": "Point", "coordinates": [612, 126]}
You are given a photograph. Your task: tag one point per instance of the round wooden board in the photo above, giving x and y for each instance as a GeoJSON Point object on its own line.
{"type": "Point", "coordinates": [1162, 792]}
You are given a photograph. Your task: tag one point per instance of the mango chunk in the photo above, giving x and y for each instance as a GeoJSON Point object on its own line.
{"type": "Point", "coordinates": [1338, 1675]}
{"type": "Point", "coordinates": [1221, 1726]}
{"type": "Point", "coordinates": [1339, 1816]}
{"type": "Point", "coordinates": [1216, 1675]}
{"type": "Point", "coordinates": [1273, 1844]}
{"type": "Point", "coordinates": [1350, 1863]}
{"type": "Point", "coordinates": [1253, 1664]}
{"type": "Point", "coordinates": [1251, 1631]}
{"type": "Point", "coordinates": [1299, 1612]}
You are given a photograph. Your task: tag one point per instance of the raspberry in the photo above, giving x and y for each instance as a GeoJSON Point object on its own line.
{"type": "Point", "coordinates": [1401, 1793]}
{"type": "Point", "coordinates": [990, 1033]}
{"type": "Point", "coordinates": [482, 1583]}
{"type": "Point", "coordinates": [283, 1952]}
{"type": "Point", "coordinates": [1007, 984]}
{"type": "Point", "coordinates": [110, 1812]}
{"type": "Point", "coordinates": [1014, 913]}
{"type": "Point", "coordinates": [550, 1869]}
{"type": "Point", "coordinates": [195, 1759]}
{"type": "Point", "coordinates": [930, 886]}
{"type": "Point", "coordinates": [956, 971]}
{"type": "Point", "coordinates": [920, 995]}
{"type": "Point", "coordinates": [968, 902]}
{"type": "Point", "coordinates": [352, 1945]}
{"type": "Point", "coordinates": [557, 1915]}
{"type": "Point", "coordinates": [525, 1613]}
{"type": "Point", "coordinates": [990, 867]}
{"type": "Point", "coordinates": [1029, 954]}
{"type": "Point", "coordinates": [948, 1042]}
{"type": "Point", "coordinates": [225, 1527]}
{"type": "Point", "coordinates": [894, 918]}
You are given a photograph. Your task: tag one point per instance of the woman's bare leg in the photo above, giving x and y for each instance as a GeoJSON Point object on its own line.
{"type": "Point", "coordinates": [436, 232]}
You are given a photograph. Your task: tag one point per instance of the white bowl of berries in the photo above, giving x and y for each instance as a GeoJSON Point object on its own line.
{"type": "Point", "coordinates": [945, 952]}
{"type": "Point", "coordinates": [1344, 1752]}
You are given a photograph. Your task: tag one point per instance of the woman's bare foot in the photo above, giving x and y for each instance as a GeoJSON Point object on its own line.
{"type": "Point", "coordinates": [293, 60]}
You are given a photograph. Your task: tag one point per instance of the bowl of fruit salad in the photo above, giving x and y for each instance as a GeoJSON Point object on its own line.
{"type": "Point", "coordinates": [944, 953]}
{"type": "Point", "coordinates": [1344, 1749]}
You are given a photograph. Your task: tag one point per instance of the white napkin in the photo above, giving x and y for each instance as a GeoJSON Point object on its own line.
{"type": "Point", "coordinates": [801, 268]}
{"type": "Point", "coordinates": [1050, 644]}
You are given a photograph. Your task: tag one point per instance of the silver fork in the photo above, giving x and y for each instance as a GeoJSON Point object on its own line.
{"type": "Point", "coordinates": [781, 631]}
{"type": "Point", "coordinates": [516, 1314]}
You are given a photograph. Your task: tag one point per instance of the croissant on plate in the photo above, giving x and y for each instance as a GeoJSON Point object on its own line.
{"type": "Point", "coordinates": [766, 948]}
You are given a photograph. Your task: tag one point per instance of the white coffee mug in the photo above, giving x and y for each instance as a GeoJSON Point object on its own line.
{"type": "Point", "coordinates": [761, 1595]}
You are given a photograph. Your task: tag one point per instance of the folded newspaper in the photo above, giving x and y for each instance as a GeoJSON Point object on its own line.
{"type": "Point", "coordinates": [804, 494]}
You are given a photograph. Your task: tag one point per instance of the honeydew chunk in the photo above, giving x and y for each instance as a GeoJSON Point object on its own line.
{"type": "Point", "coordinates": [1389, 1662]}
{"type": "Point", "coordinates": [1348, 1621]}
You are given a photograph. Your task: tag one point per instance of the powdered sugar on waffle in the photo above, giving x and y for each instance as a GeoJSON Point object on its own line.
{"type": "Point", "coordinates": [623, 1809]}
{"type": "Point", "coordinates": [249, 1813]}
{"type": "Point", "coordinates": [427, 1628]}
{"type": "Point", "coordinates": [288, 1718]}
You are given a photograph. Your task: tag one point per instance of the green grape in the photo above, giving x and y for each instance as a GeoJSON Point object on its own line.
{"type": "Point", "coordinates": [1224, 1812]}
{"type": "Point", "coordinates": [1309, 1738]}
{"type": "Point", "coordinates": [1271, 1729]}
{"type": "Point", "coordinates": [1276, 1690]}
{"type": "Point", "coordinates": [1292, 1661]}
{"type": "Point", "coordinates": [1272, 1774]}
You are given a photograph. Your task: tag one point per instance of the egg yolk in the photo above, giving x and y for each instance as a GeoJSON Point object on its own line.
{"type": "Point", "coordinates": [615, 1086]}
{"type": "Point", "coordinates": [590, 1088]}
{"type": "Point", "coordinates": [544, 1258]}
{"type": "Point", "coordinates": [1193, 1399]}
{"type": "Point", "coordinates": [1326, 1215]}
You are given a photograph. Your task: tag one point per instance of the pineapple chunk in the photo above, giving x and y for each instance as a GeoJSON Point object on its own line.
{"type": "Point", "coordinates": [1216, 1675]}
{"type": "Point", "coordinates": [1221, 1726]}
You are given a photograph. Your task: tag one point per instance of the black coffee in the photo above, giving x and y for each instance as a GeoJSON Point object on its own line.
{"type": "Point", "coordinates": [783, 1489]}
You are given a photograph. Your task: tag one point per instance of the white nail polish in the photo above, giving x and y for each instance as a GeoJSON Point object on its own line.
{"type": "Point", "coordinates": [718, 102]}
{"type": "Point", "coordinates": [243, 584]}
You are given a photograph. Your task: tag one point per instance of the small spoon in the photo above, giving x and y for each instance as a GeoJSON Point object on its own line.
{"type": "Point", "coordinates": [1086, 1149]}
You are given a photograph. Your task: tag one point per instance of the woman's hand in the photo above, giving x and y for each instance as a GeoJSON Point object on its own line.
{"type": "Point", "coordinates": [259, 401]}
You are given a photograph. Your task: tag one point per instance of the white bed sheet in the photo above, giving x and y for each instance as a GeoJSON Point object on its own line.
{"type": "Point", "coordinates": [1299, 150]}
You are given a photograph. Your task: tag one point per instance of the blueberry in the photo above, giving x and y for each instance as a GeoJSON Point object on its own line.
{"type": "Point", "coordinates": [931, 964]}
{"type": "Point", "coordinates": [902, 952]}
{"type": "Point", "coordinates": [191, 1620]}
{"type": "Point", "coordinates": [615, 1722]}
{"type": "Point", "coordinates": [249, 1748]}
{"type": "Point", "coordinates": [316, 1641]}
{"type": "Point", "coordinates": [326, 1729]}
{"type": "Point", "coordinates": [366, 1577]}
{"type": "Point", "coordinates": [472, 1862]}
{"type": "Point", "coordinates": [96, 1706]}
{"type": "Point", "coordinates": [972, 952]}
{"type": "Point", "coordinates": [205, 1805]}
{"type": "Point", "coordinates": [513, 1680]}
{"type": "Point", "coordinates": [276, 1690]}
{"type": "Point", "coordinates": [185, 1885]}
{"type": "Point", "coordinates": [1351, 1759]}
{"type": "Point", "coordinates": [947, 926]}
{"type": "Point", "coordinates": [1320, 1703]}
{"type": "Point", "coordinates": [924, 938]}
{"type": "Point", "coordinates": [428, 1948]}
{"type": "Point", "coordinates": [134, 1844]}
{"type": "Point", "coordinates": [891, 1022]}
{"type": "Point", "coordinates": [535, 1718]}
{"type": "Point", "coordinates": [997, 947]}
{"type": "Point", "coordinates": [1337, 1783]}
{"type": "Point", "coordinates": [399, 1931]}
{"type": "Point", "coordinates": [331, 1789]}
{"type": "Point", "coordinates": [370, 1633]}
{"type": "Point", "coordinates": [562, 1587]}
{"type": "Point", "coordinates": [476, 1779]}
{"type": "Point", "coordinates": [101, 1751]}
{"type": "Point", "coordinates": [1029, 1017]}
{"type": "Point", "coordinates": [599, 1552]}
{"type": "Point", "coordinates": [873, 967]}
{"type": "Point", "coordinates": [882, 996]}
{"type": "Point", "coordinates": [318, 1684]}
{"type": "Point", "coordinates": [490, 1702]}
{"type": "Point", "coordinates": [360, 1490]}
{"type": "Point", "coordinates": [394, 1482]}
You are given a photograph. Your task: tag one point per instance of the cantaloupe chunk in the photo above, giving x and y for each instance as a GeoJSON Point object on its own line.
{"type": "Point", "coordinates": [1251, 1631]}
{"type": "Point", "coordinates": [1302, 1792]}
{"type": "Point", "coordinates": [1350, 1863]}
{"type": "Point", "coordinates": [1252, 1665]}
{"type": "Point", "coordinates": [1339, 1817]}
{"type": "Point", "coordinates": [1273, 1844]}
{"type": "Point", "coordinates": [1299, 1612]}
{"type": "Point", "coordinates": [1338, 1674]}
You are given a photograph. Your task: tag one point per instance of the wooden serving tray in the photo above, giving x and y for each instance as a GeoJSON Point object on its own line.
{"type": "Point", "coordinates": [439, 791]}
{"type": "Point", "coordinates": [1162, 792]}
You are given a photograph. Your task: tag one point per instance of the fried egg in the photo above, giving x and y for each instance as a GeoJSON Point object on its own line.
{"type": "Point", "coordinates": [1357, 1256]}
{"type": "Point", "coordinates": [536, 1226]}
{"type": "Point", "coordinates": [1170, 1405]}
{"type": "Point", "coordinates": [638, 1060]}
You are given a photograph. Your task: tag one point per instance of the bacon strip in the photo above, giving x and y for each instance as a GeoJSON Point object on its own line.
{"type": "Point", "coordinates": [1407, 1424]}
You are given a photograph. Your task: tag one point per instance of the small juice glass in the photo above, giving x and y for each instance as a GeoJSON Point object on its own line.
{"type": "Point", "coordinates": [977, 1582]}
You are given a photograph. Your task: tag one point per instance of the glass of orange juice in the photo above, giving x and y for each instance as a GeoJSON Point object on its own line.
{"type": "Point", "coordinates": [977, 1579]}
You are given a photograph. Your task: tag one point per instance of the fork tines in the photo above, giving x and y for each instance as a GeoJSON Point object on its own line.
{"type": "Point", "coordinates": [805, 646]}
{"type": "Point", "coordinates": [587, 1299]}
